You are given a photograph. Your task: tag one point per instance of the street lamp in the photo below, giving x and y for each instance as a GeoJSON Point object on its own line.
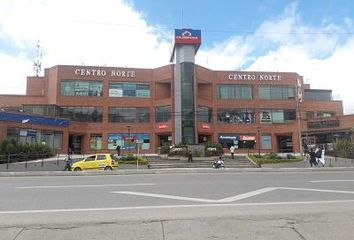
{"type": "Point", "coordinates": [129, 127]}
{"type": "Point", "coordinates": [259, 141]}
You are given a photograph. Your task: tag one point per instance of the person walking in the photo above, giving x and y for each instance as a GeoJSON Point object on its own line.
{"type": "Point", "coordinates": [312, 155]}
{"type": "Point", "coordinates": [232, 151]}
{"type": "Point", "coordinates": [190, 156]}
{"type": "Point", "coordinates": [118, 150]}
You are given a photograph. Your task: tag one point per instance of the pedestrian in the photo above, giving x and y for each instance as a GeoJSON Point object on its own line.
{"type": "Point", "coordinates": [312, 157]}
{"type": "Point", "coordinates": [118, 150]}
{"type": "Point", "coordinates": [190, 156]}
{"type": "Point", "coordinates": [318, 153]}
{"type": "Point", "coordinates": [68, 162]}
{"type": "Point", "coordinates": [232, 151]}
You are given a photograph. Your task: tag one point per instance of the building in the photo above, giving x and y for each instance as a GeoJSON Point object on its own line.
{"type": "Point", "coordinates": [182, 102]}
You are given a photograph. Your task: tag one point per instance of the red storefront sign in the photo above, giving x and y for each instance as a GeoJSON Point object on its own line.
{"type": "Point", "coordinates": [205, 126]}
{"type": "Point", "coordinates": [162, 126]}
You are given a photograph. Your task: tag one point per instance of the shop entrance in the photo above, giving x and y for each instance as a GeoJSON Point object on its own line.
{"type": "Point", "coordinates": [285, 144]}
{"type": "Point", "coordinates": [164, 139]}
{"type": "Point", "coordinates": [202, 138]}
{"type": "Point", "coordinates": [75, 143]}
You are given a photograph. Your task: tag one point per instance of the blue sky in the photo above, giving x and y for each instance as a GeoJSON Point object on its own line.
{"type": "Point", "coordinates": [311, 37]}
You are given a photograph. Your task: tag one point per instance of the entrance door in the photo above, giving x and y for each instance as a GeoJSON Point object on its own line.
{"type": "Point", "coordinates": [204, 138]}
{"type": "Point", "coordinates": [285, 144]}
{"type": "Point", "coordinates": [75, 143]}
{"type": "Point", "coordinates": [164, 140]}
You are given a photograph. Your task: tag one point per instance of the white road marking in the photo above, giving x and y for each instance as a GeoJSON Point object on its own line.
{"type": "Point", "coordinates": [246, 195]}
{"type": "Point", "coordinates": [88, 186]}
{"type": "Point", "coordinates": [229, 199]}
{"type": "Point", "coordinates": [316, 190]}
{"type": "Point", "coordinates": [165, 196]}
{"type": "Point", "coordinates": [39, 211]}
{"type": "Point", "coordinates": [326, 181]}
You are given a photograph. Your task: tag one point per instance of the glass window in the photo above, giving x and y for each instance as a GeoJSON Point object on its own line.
{"type": "Point", "coordinates": [101, 157]}
{"type": "Point", "coordinates": [234, 91]}
{"type": "Point", "coordinates": [276, 92]}
{"type": "Point", "coordinates": [127, 89]}
{"type": "Point", "coordinates": [266, 141]}
{"type": "Point", "coordinates": [96, 141]}
{"type": "Point", "coordinates": [318, 95]}
{"type": "Point", "coordinates": [325, 114]}
{"type": "Point", "coordinates": [82, 114]}
{"type": "Point", "coordinates": [235, 116]}
{"type": "Point", "coordinates": [127, 141]}
{"type": "Point", "coordinates": [205, 114]}
{"type": "Point", "coordinates": [128, 115]}
{"type": "Point", "coordinates": [277, 115]}
{"type": "Point", "coordinates": [162, 114]}
{"type": "Point", "coordinates": [81, 88]}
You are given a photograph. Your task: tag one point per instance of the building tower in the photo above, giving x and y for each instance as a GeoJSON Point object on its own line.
{"type": "Point", "coordinates": [185, 46]}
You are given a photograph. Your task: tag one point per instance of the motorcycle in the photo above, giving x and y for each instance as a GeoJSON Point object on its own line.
{"type": "Point", "coordinates": [219, 163]}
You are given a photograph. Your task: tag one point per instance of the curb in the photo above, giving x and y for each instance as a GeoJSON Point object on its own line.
{"type": "Point", "coordinates": [169, 171]}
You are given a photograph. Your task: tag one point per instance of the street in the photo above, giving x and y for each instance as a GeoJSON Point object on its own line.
{"type": "Point", "coordinates": [216, 205]}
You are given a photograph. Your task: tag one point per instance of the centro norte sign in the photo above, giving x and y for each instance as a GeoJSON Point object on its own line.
{"type": "Point", "coordinates": [102, 72]}
{"type": "Point", "coordinates": [252, 77]}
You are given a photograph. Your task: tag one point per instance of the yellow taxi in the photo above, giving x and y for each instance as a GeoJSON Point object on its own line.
{"type": "Point", "coordinates": [99, 161]}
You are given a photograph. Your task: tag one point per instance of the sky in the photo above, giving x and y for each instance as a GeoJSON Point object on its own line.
{"type": "Point", "coordinates": [314, 38]}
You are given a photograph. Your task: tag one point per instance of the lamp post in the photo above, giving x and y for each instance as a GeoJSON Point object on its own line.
{"type": "Point", "coordinates": [129, 127]}
{"type": "Point", "coordinates": [259, 141]}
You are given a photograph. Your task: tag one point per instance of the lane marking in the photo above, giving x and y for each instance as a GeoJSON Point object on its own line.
{"type": "Point", "coordinates": [88, 186]}
{"type": "Point", "coordinates": [165, 196]}
{"type": "Point", "coordinates": [325, 181]}
{"type": "Point", "coordinates": [246, 195]}
{"type": "Point", "coordinates": [229, 199]}
{"type": "Point", "coordinates": [316, 190]}
{"type": "Point", "coordinates": [39, 211]}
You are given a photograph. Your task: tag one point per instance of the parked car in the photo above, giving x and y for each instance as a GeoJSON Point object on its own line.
{"type": "Point", "coordinates": [96, 162]}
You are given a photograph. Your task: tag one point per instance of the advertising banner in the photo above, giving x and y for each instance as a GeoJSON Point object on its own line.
{"type": "Point", "coordinates": [188, 36]}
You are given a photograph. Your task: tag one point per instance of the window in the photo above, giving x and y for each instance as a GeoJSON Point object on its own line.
{"type": "Point", "coordinates": [276, 92]}
{"type": "Point", "coordinates": [96, 141]}
{"type": "Point", "coordinates": [162, 114]}
{"type": "Point", "coordinates": [277, 115]}
{"type": "Point", "coordinates": [128, 115]}
{"type": "Point", "coordinates": [234, 91]}
{"type": "Point", "coordinates": [205, 114]}
{"type": "Point", "coordinates": [53, 139]}
{"type": "Point", "coordinates": [235, 116]}
{"type": "Point", "coordinates": [101, 157]}
{"type": "Point", "coordinates": [82, 114]}
{"type": "Point", "coordinates": [91, 158]}
{"type": "Point", "coordinates": [81, 88]}
{"type": "Point", "coordinates": [266, 141]}
{"type": "Point", "coordinates": [127, 89]}
{"type": "Point", "coordinates": [318, 95]}
{"type": "Point", "coordinates": [127, 141]}
{"type": "Point", "coordinates": [325, 114]}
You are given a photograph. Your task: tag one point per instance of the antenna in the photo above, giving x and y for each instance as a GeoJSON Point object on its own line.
{"type": "Point", "coordinates": [37, 63]}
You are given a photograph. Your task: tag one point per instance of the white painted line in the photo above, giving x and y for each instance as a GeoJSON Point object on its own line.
{"type": "Point", "coordinates": [326, 181]}
{"type": "Point", "coordinates": [88, 186]}
{"type": "Point", "coordinates": [246, 195]}
{"type": "Point", "coordinates": [165, 196]}
{"type": "Point", "coordinates": [43, 211]}
{"type": "Point", "coordinates": [316, 190]}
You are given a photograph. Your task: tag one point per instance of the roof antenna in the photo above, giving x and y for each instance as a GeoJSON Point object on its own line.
{"type": "Point", "coordinates": [37, 62]}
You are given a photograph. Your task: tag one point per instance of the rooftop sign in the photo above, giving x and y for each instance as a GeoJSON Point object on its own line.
{"type": "Point", "coordinates": [188, 36]}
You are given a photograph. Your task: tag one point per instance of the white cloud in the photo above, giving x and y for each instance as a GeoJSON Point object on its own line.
{"type": "Point", "coordinates": [106, 32]}
{"type": "Point", "coordinates": [285, 44]}
{"type": "Point", "coordinates": [112, 33]}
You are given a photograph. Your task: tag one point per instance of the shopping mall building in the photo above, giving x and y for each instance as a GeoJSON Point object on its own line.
{"type": "Point", "coordinates": [95, 108]}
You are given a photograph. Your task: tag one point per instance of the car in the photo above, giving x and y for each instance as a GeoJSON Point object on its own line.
{"type": "Point", "coordinates": [99, 161]}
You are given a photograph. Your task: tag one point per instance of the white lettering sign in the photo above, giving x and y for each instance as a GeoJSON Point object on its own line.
{"type": "Point", "coordinates": [252, 77]}
{"type": "Point", "coordinates": [102, 72]}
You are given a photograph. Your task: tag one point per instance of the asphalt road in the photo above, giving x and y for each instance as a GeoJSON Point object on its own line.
{"type": "Point", "coordinates": [216, 205]}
